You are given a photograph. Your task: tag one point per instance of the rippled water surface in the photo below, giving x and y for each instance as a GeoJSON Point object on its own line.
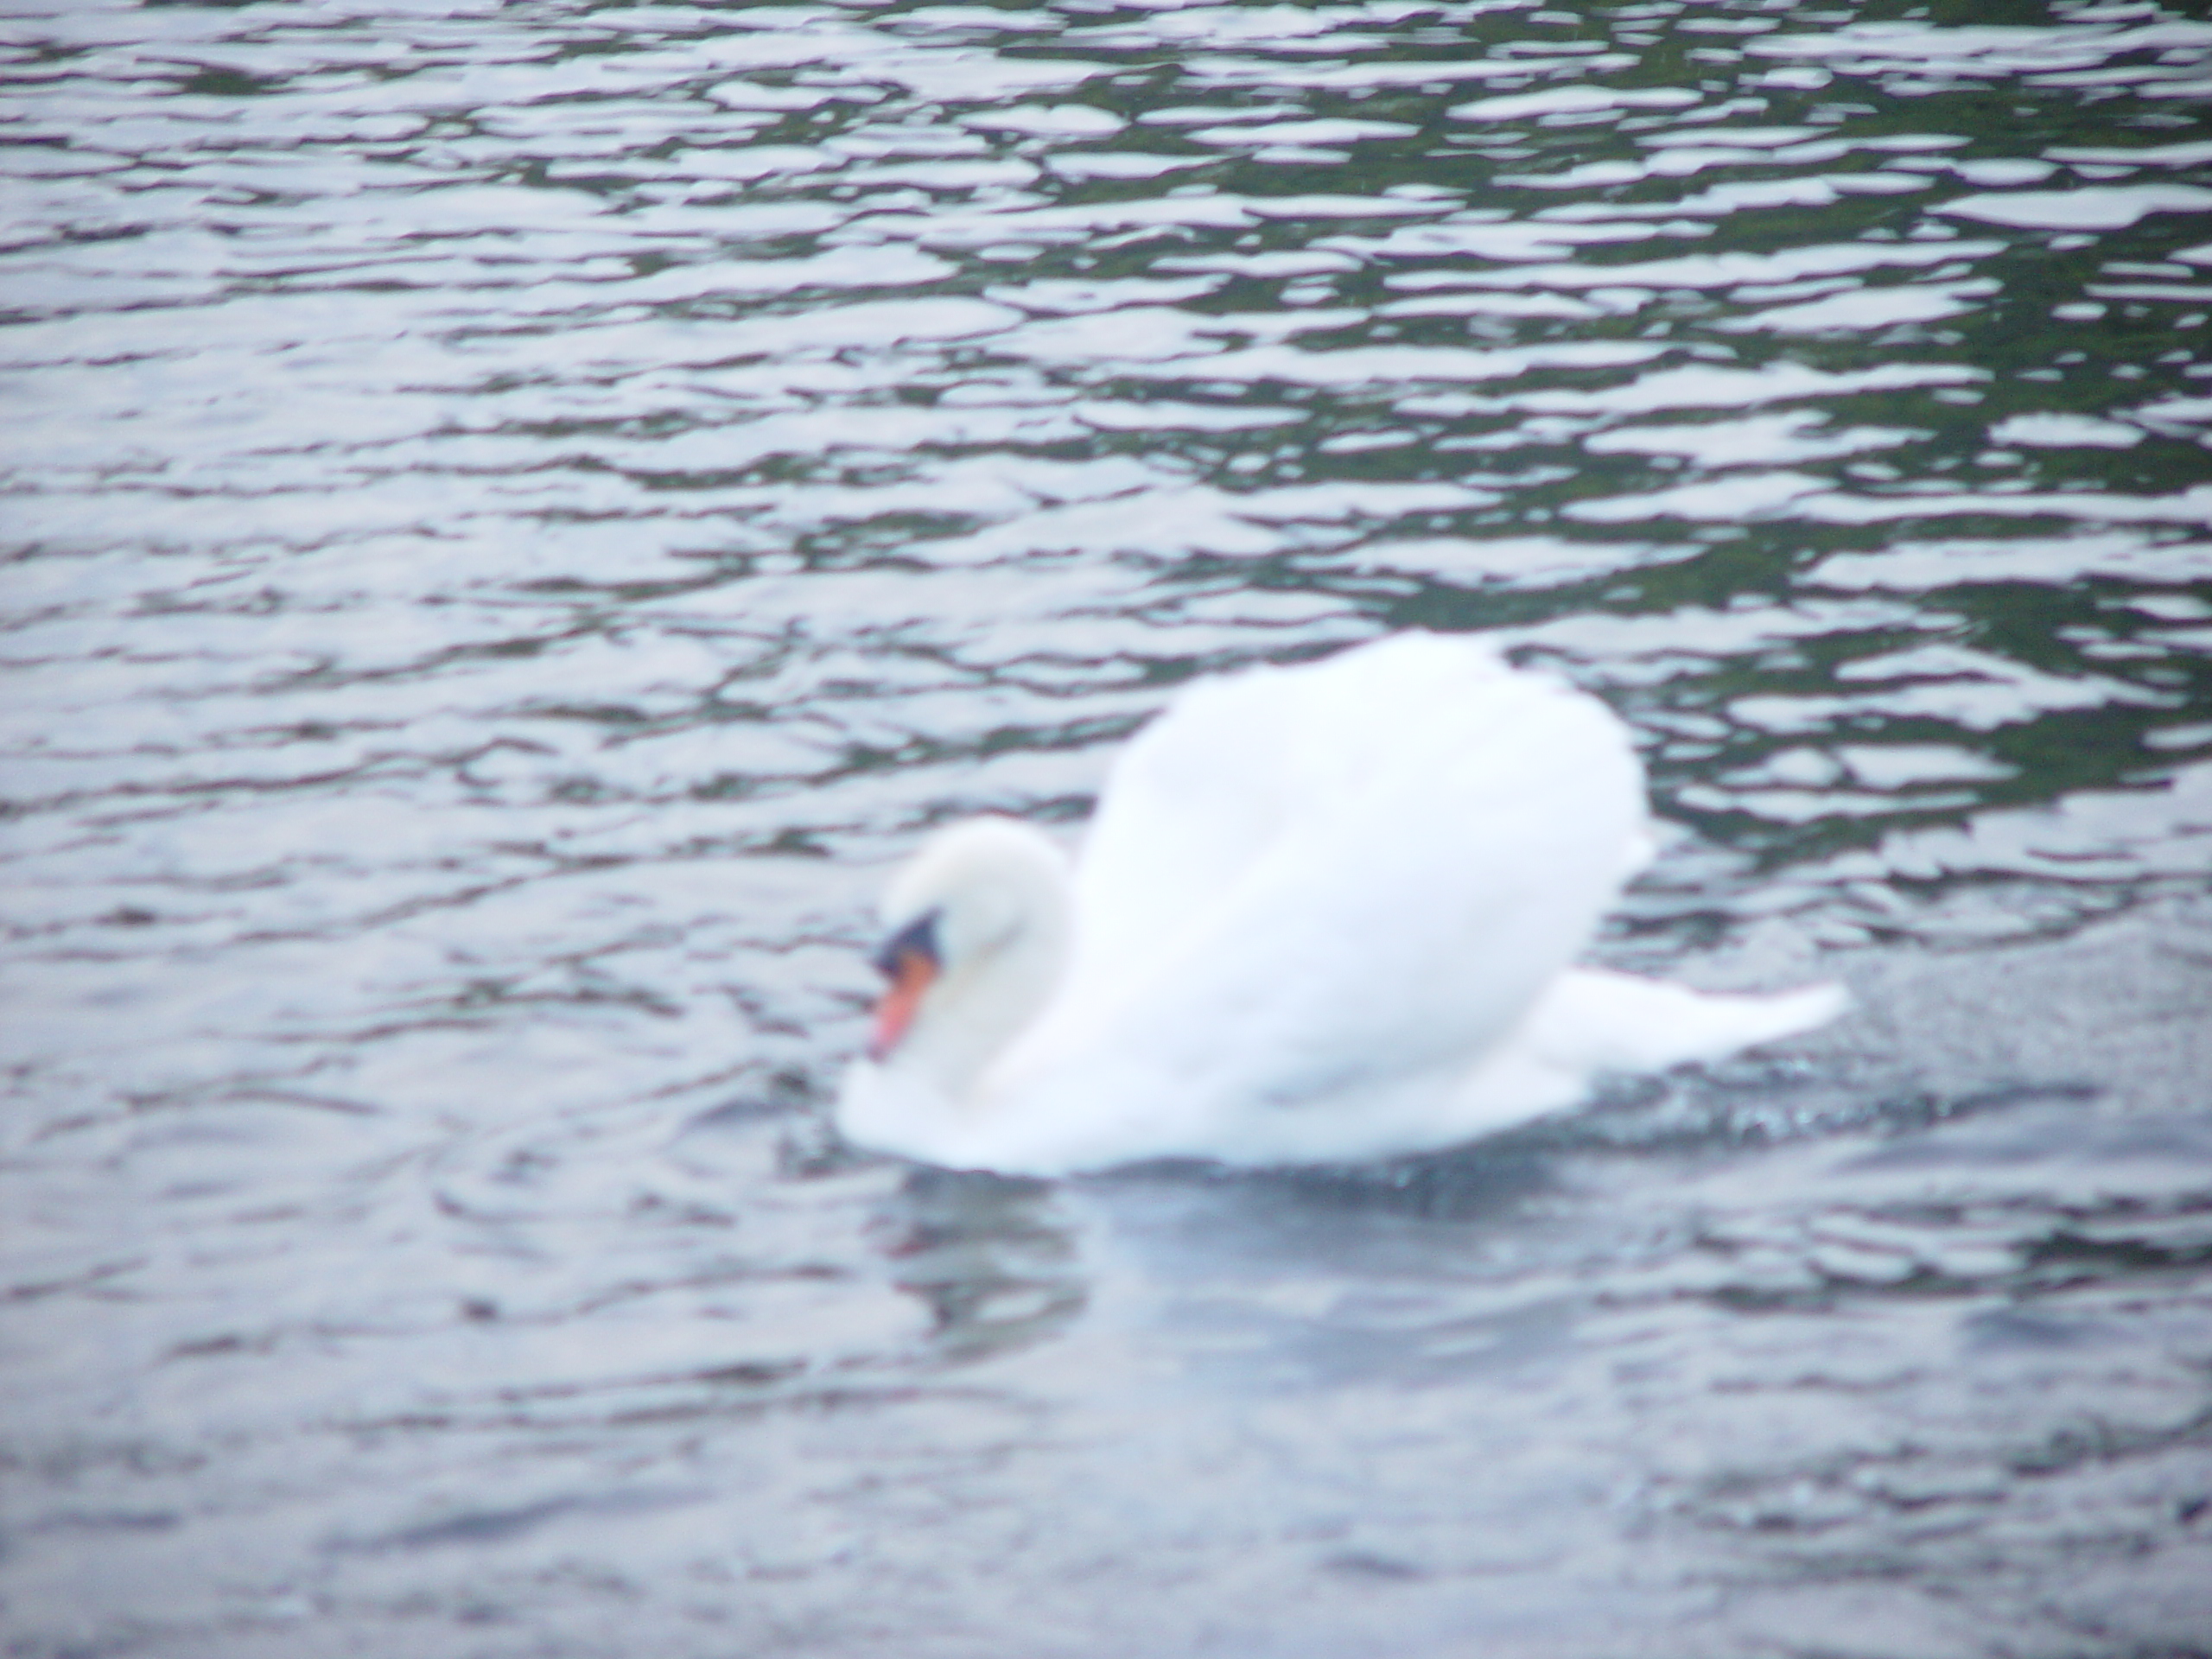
{"type": "Point", "coordinates": [515, 514]}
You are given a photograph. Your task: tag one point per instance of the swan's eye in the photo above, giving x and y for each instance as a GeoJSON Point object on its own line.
{"type": "Point", "coordinates": [916, 938]}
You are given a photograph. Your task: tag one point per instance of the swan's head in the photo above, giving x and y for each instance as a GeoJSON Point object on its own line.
{"type": "Point", "coordinates": [977, 928]}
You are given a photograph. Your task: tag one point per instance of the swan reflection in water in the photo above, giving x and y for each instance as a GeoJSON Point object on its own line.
{"type": "Point", "coordinates": [1324, 913]}
{"type": "Point", "coordinates": [1393, 1262]}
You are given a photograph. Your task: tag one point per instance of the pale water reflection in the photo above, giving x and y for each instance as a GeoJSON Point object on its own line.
{"type": "Point", "coordinates": [517, 514]}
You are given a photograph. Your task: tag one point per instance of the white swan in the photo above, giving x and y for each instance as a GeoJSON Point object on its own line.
{"type": "Point", "coordinates": [1324, 913]}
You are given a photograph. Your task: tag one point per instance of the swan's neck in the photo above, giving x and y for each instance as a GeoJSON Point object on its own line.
{"type": "Point", "coordinates": [1008, 939]}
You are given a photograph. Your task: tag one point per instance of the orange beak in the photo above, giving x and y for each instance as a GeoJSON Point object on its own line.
{"type": "Point", "coordinates": [915, 973]}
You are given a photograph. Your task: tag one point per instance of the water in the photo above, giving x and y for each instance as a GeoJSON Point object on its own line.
{"type": "Point", "coordinates": [515, 516]}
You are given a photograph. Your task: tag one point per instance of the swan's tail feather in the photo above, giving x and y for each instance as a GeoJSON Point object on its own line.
{"type": "Point", "coordinates": [1593, 1020]}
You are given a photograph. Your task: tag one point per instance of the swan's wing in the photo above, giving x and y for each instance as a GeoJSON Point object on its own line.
{"type": "Point", "coordinates": [1305, 881]}
{"type": "Point", "coordinates": [1191, 801]}
{"type": "Point", "coordinates": [1237, 763]}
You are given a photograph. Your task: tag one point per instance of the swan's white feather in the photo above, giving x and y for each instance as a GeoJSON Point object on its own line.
{"type": "Point", "coordinates": [1327, 913]}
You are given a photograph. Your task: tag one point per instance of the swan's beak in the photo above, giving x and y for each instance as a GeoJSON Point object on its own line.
{"type": "Point", "coordinates": [909, 960]}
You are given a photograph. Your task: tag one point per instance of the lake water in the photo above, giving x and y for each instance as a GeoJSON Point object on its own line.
{"type": "Point", "coordinates": [515, 515]}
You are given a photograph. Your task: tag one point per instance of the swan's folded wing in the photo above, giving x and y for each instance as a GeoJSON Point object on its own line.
{"type": "Point", "coordinates": [1238, 763]}
{"type": "Point", "coordinates": [1192, 801]}
{"type": "Point", "coordinates": [1306, 881]}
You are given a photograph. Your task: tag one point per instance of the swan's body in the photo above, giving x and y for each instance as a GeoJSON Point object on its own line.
{"type": "Point", "coordinates": [1324, 913]}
